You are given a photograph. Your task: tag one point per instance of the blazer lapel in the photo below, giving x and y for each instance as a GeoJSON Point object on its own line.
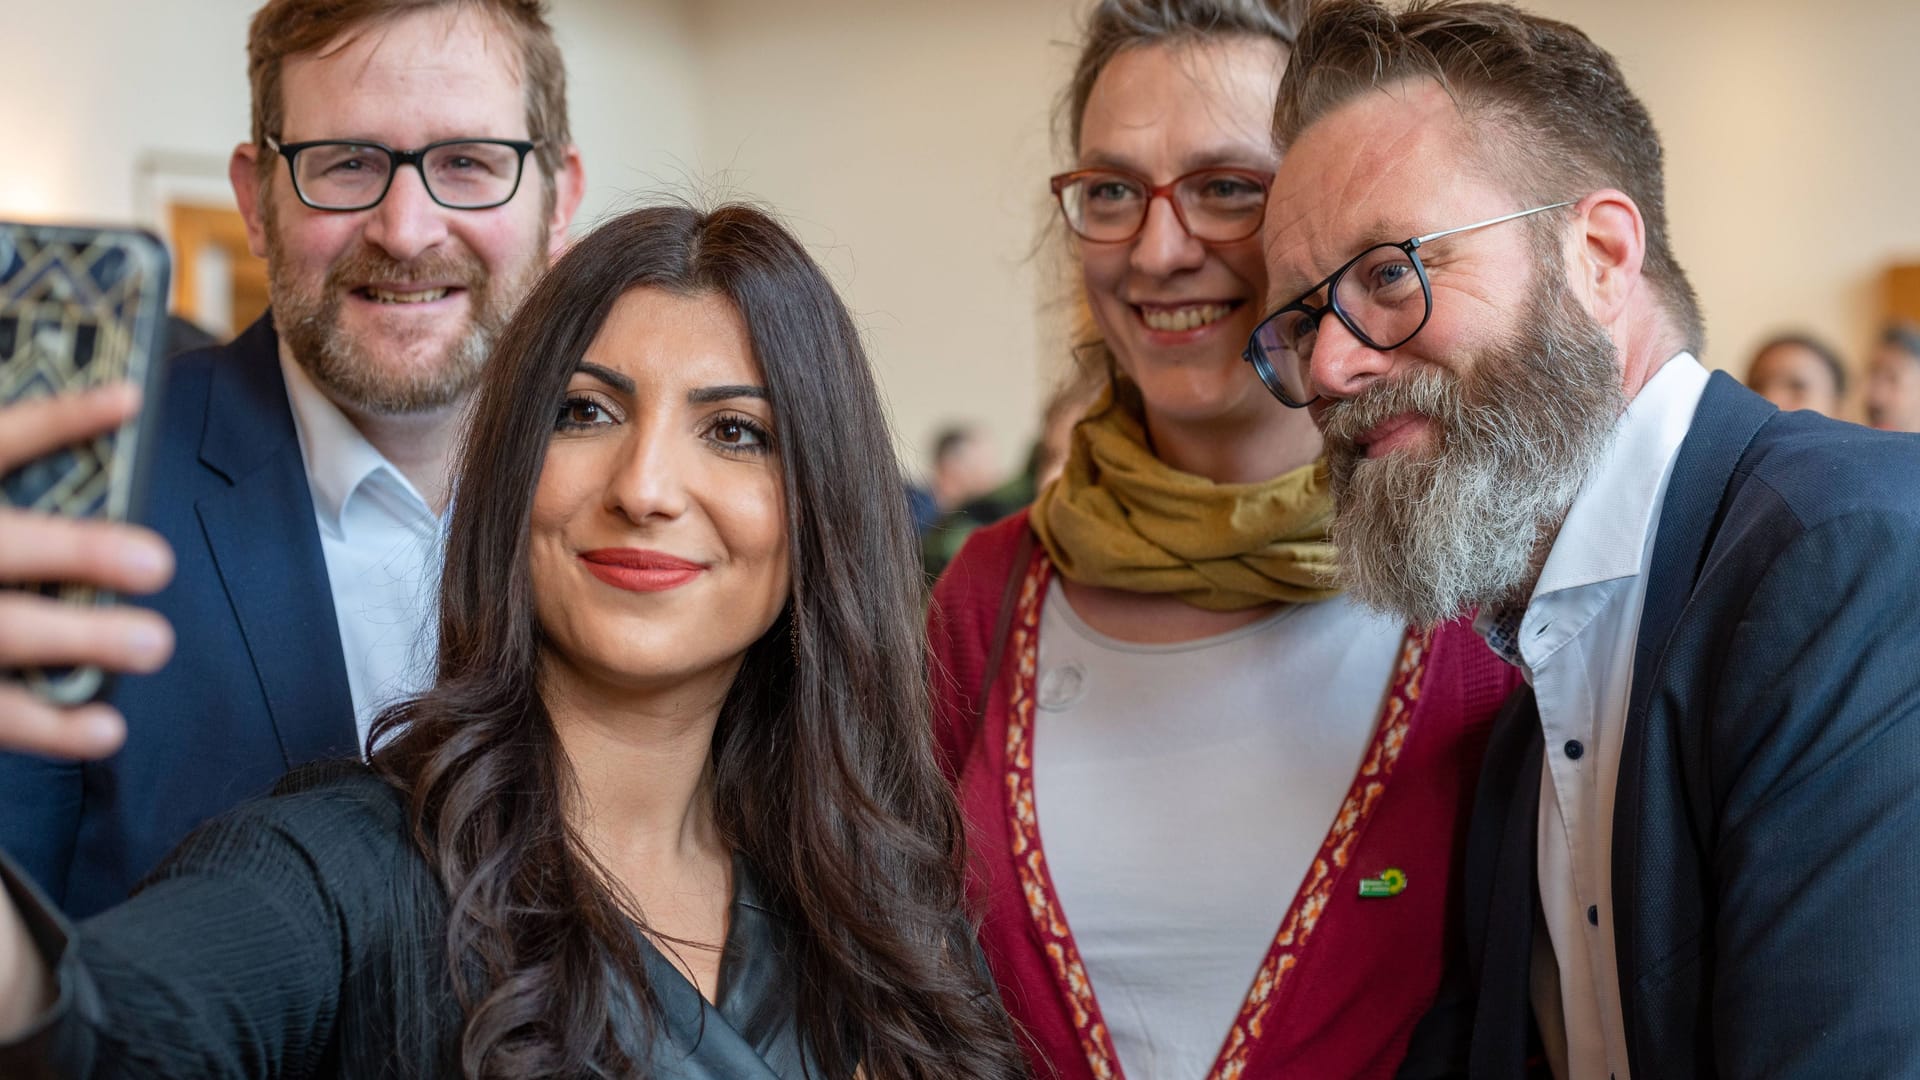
{"type": "Point", "coordinates": [1500, 888]}
{"type": "Point", "coordinates": [1724, 425]}
{"type": "Point", "coordinates": [266, 544]}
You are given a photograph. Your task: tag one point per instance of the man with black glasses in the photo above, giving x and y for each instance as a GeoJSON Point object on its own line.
{"type": "Point", "coordinates": [1681, 847]}
{"type": "Point", "coordinates": [409, 175]}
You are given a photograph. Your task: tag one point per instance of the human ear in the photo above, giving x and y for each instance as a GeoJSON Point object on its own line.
{"type": "Point", "coordinates": [243, 171]}
{"type": "Point", "coordinates": [569, 184]}
{"type": "Point", "coordinates": [1611, 246]}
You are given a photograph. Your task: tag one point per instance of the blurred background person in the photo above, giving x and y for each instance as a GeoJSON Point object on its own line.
{"type": "Point", "coordinates": [942, 540]}
{"type": "Point", "coordinates": [1798, 371]}
{"type": "Point", "coordinates": [965, 466]}
{"type": "Point", "coordinates": [1893, 380]}
{"type": "Point", "coordinates": [1151, 667]}
{"type": "Point", "coordinates": [961, 469]}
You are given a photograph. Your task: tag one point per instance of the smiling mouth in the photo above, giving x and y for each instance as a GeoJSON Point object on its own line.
{"type": "Point", "coordinates": [1390, 434]}
{"type": "Point", "coordinates": [1184, 317]}
{"type": "Point", "coordinates": [396, 296]}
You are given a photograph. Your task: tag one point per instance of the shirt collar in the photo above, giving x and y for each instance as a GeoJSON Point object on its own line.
{"type": "Point", "coordinates": [338, 458]}
{"type": "Point", "coordinates": [1605, 534]}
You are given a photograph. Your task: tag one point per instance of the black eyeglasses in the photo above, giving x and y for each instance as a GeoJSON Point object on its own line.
{"type": "Point", "coordinates": [459, 174]}
{"type": "Point", "coordinates": [1375, 298]}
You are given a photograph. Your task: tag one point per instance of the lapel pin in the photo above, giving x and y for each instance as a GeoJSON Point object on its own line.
{"type": "Point", "coordinates": [1391, 882]}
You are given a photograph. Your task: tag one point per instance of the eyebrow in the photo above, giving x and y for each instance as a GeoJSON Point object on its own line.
{"type": "Point", "coordinates": [704, 395]}
{"type": "Point", "coordinates": [606, 375]}
{"type": "Point", "coordinates": [709, 395]}
{"type": "Point", "coordinates": [1378, 228]}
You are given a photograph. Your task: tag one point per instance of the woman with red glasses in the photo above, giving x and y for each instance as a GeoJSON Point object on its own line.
{"type": "Point", "coordinates": [1213, 804]}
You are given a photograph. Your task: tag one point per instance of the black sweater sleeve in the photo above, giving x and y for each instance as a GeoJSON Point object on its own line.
{"type": "Point", "coordinates": [231, 961]}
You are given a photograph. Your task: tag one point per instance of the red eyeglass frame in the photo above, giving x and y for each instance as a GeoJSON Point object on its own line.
{"type": "Point", "coordinates": [1060, 182]}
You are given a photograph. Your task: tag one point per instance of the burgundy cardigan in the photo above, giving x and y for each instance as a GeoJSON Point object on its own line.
{"type": "Point", "coordinates": [1357, 958]}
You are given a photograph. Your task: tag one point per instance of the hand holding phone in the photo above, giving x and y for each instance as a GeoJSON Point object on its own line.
{"type": "Point", "coordinates": [36, 548]}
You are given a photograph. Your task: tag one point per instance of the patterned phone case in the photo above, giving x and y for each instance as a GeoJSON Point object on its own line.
{"type": "Point", "coordinates": [79, 308]}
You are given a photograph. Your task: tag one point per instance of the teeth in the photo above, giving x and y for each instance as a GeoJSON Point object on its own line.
{"type": "Point", "coordinates": [1185, 318]}
{"type": "Point", "coordinates": [385, 297]}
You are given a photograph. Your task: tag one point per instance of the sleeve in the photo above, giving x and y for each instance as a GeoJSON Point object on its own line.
{"type": "Point", "coordinates": [40, 818]}
{"type": "Point", "coordinates": [228, 965]}
{"type": "Point", "coordinates": [1815, 774]}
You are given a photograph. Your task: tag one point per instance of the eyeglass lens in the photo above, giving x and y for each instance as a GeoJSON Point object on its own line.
{"type": "Point", "coordinates": [351, 176]}
{"type": "Point", "coordinates": [1219, 206]}
{"type": "Point", "coordinates": [1379, 296]}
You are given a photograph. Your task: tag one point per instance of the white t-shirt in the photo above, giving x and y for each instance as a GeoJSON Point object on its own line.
{"type": "Point", "coordinates": [1182, 792]}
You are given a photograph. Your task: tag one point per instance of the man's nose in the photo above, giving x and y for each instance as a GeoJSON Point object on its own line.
{"type": "Point", "coordinates": [407, 222]}
{"type": "Point", "coordinates": [1342, 365]}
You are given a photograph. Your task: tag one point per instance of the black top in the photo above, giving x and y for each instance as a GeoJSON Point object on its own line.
{"type": "Point", "coordinates": [304, 936]}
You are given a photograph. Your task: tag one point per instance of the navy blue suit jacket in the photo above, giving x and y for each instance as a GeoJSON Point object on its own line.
{"type": "Point", "coordinates": [1768, 805]}
{"type": "Point", "coordinates": [257, 683]}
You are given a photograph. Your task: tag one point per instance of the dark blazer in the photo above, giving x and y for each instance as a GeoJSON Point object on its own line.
{"type": "Point", "coordinates": [257, 683]}
{"type": "Point", "coordinates": [1768, 805]}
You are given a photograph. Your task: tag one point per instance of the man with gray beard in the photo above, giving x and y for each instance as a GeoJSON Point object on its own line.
{"type": "Point", "coordinates": [408, 176]}
{"type": "Point", "coordinates": [1687, 818]}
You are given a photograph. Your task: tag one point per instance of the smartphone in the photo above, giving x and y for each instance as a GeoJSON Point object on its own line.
{"type": "Point", "coordinates": [80, 308]}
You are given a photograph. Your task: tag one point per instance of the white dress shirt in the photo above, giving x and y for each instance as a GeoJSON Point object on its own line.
{"type": "Point", "coordinates": [1576, 643]}
{"type": "Point", "coordinates": [1183, 791]}
{"type": "Point", "coordinates": [383, 547]}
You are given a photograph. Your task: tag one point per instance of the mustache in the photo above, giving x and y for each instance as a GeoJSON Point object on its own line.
{"type": "Point", "coordinates": [367, 263]}
{"type": "Point", "coordinates": [1430, 393]}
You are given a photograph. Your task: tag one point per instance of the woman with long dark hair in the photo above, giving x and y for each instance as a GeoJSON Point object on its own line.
{"type": "Point", "coordinates": [671, 807]}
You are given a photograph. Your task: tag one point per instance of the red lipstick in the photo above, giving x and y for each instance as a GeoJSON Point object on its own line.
{"type": "Point", "coordinates": [640, 571]}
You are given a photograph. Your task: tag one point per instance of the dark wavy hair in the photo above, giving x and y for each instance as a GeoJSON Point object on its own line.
{"type": "Point", "coordinates": [825, 777]}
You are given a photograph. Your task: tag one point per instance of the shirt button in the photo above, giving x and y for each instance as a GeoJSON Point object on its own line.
{"type": "Point", "coordinates": [1593, 915]}
{"type": "Point", "coordinates": [1574, 749]}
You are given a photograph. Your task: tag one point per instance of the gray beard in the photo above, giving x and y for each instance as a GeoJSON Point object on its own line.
{"type": "Point", "coordinates": [1426, 539]}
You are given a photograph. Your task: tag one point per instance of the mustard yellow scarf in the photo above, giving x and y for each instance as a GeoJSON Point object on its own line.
{"type": "Point", "coordinates": [1121, 518]}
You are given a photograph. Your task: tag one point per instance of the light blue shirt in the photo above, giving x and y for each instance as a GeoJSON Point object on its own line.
{"type": "Point", "coordinates": [383, 547]}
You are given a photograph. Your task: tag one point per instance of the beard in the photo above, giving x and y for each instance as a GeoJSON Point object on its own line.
{"type": "Point", "coordinates": [378, 380]}
{"type": "Point", "coordinates": [1426, 537]}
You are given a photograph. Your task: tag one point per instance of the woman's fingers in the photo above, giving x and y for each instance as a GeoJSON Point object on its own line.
{"type": "Point", "coordinates": [80, 733]}
{"type": "Point", "coordinates": [37, 631]}
{"type": "Point", "coordinates": [38, 548]}
{"type": "Point", "coordinates": [29, 429]}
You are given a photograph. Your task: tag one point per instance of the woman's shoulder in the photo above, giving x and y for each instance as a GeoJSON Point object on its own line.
{"type": "Point", "coordinates": [976, 579]}
{"type": "Point", "coordinates": [339, 821]}
{"type": "Point", "coordinates": [335, 793]}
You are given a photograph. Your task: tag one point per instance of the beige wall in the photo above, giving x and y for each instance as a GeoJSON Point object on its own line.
{"type": "Point", "coordinates": [908, 141]}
